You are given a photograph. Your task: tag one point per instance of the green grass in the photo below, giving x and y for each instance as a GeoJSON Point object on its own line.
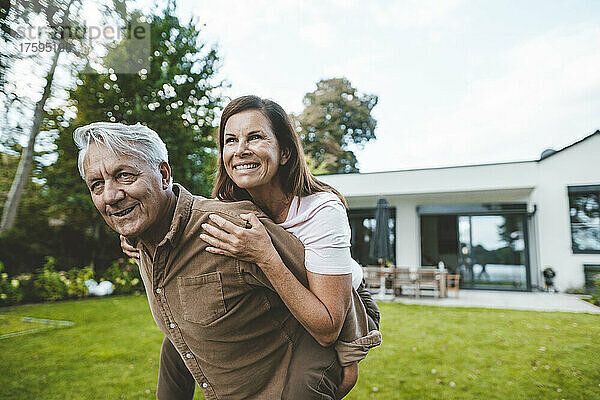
{"type": "Point", "coordinates": [12, 324]}
{"type": "Point", "coordinates": [112, 353]}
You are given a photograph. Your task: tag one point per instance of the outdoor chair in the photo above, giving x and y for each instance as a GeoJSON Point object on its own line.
{"type": "Point", "coordinates": [405, 282]}
{"type": "Point", "coordinates": [453, 283]}
{"type": "Point", "coordinates": [372, 277]}
{"type": "Point", "coordinates": [429, 280]}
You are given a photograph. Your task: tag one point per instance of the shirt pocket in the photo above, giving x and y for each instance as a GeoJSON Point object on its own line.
{"type": "Point", "coordinates": [201, 297]}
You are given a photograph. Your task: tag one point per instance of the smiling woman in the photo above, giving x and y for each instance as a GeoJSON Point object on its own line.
{"type": "Point", "coordinates": [261, 159]}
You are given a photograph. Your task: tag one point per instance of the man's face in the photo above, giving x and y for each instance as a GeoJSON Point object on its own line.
{"type": "Point", "coordinates": [129, 194]}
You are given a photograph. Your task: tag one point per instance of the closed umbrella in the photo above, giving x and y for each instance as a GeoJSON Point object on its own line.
{"type": "Point", "coordinates": [381, 246]}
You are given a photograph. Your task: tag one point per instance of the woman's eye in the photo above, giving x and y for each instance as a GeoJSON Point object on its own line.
{"type": "Point", "coordinates": [253, 137]}
{"type": "Point", "coordinates": [229, 140]}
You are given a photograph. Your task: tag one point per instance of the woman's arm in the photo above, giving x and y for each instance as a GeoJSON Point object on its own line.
{"type": "Point", "coordinates": [321, 310]}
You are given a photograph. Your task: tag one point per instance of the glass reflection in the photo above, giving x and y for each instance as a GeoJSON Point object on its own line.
{"type": "Point", "coordinates": [585, 221]}
{"type": "Point", "coordinates": [492, 251]}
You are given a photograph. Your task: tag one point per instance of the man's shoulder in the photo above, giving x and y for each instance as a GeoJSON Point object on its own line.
{"type": "Point", "coordinates": [232, 208]}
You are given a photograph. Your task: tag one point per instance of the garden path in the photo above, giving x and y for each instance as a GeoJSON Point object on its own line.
{"type": "Point", "coordinates": [536, 301]}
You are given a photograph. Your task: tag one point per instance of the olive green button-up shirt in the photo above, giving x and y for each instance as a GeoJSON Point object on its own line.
{"type": "Point", "coordinates": [233, 331]}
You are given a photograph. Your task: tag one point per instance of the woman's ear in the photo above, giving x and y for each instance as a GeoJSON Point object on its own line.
{"type": "Point", "coordinates": [285, 156]}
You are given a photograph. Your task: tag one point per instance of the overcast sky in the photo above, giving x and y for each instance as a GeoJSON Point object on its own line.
{"type": "Point", "coordinates": [459, 82]}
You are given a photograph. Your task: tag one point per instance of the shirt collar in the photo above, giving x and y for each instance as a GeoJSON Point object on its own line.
{"type": "Point", "coordinates": [183, 210]}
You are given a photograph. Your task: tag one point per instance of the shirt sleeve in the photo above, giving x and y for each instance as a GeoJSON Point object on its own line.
{"type": "Point", "coordinates": [327, 247]}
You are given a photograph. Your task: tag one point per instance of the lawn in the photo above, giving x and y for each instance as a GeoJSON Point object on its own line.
{"type": "Point", "coordinates": [428, 353]}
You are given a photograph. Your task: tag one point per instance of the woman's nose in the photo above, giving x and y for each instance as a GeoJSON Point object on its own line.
{"type": "Point", "coordinates": [242, 147]}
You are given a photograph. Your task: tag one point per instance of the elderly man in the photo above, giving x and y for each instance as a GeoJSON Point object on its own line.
{"type": "Point", "coordinates": [230, 329]}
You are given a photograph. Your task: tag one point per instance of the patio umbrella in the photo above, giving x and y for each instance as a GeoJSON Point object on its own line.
{"type": "Point", "coordinates": [381, 248]}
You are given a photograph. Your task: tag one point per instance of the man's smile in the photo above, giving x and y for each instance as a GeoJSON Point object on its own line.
{"type": "Point", "coordinates": [123, 212]}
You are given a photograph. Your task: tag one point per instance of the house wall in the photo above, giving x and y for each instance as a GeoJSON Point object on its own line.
{"type": "Point", "coordinates": [577, 165]}
{"type": "Point", "coordinates": [541, 184]}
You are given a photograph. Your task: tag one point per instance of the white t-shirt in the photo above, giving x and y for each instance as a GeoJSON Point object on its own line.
{"type": "Point", "coordinates": [321, 224]}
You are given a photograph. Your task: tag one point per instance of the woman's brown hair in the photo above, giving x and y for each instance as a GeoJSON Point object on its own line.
{"type": "Point", "coordinates": [294, 176]}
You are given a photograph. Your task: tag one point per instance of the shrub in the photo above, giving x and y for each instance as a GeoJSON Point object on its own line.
{"type": "Point", "coordinates": [26, 284]}
{"type": "Point", "coordinates": [75, 280]}
{"type": "Point", "coordinates": [10, 289]}
{"type": "Point", "coordinates": [576, 290]}
{"type": "Point", "coordinates": [50, 285]}
{"type": "Point", "coordinates": [596, 294]}
{"type": "Point", "coordinates": [125, 276]}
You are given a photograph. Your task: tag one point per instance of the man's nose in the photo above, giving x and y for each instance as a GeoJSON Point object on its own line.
{"type": "Point", "coordinates": [113, 193]}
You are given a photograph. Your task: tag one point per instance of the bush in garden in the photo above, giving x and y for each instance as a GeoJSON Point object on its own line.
{"type": "Point", "coordinates": [125, 276]}
{"type": "Point", "coordinates": [596, 293]}
{"type": "Point", "coordinates": [26, 285]}
{"type": "Point", "coordinates": [10, 289]}
{"type": "Point", "coordinates": [75, 281]}
{"type": "Point", "coordinates": [50, 285]}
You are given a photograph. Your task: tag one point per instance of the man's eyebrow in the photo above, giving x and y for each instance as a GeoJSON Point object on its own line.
{"type": "Point", "coordinates": [90, 181]}
{"type": "Point", "coordinates": [122, 167]}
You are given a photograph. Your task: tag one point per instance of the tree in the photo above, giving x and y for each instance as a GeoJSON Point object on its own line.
{"type": "Point", "coordinates": [335, 116]}
{"type": "Point", "coordinates": [176, 97]}
{"type": "Point", "coordinates": [55, 13]}
{"type": "Point", "coordinates": [24, 247]}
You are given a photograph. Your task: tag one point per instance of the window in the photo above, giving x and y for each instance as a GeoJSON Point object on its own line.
{"type": "Point", "coordinates": [584, 210]}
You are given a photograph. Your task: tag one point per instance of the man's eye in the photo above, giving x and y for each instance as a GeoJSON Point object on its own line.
{"type": "Point", "coordinates": [96, 187]}
{"type": "Point", "coordinates": [125, 176]}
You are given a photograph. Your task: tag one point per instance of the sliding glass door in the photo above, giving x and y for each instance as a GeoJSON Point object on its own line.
{"type": "Point", "coordinates": [492, 251]}
{"type": "Point", "coordinates": [488, 250]}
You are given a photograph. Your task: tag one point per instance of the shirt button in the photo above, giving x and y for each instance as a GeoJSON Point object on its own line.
{"type": "Point", "coordinates": [204, 384]}
{"type": "Point", "coordinates": [188, 355]}
{"type": "Point", "coordinates": [171, 325]}
{"type": "Point", "coordinates": [158, 290]}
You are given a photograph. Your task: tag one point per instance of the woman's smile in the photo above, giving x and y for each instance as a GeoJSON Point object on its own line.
{"type": "Point", "coordinates": [246, 166]}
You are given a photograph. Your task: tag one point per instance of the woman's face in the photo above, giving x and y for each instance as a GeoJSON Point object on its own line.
{"type": "Point", "coordinates": [251, 153]}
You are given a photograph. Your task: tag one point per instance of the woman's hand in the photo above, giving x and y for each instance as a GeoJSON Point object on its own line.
{"type": "Point", "coordinates": [320, 309]}
{"type": "Point", "coordinates": [128, 249]}
{"type": "Point", "coordinates": [252, 245]}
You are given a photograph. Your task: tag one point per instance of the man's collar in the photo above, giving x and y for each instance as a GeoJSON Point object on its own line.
{"type": "Point", "coordinates": [183, 210]}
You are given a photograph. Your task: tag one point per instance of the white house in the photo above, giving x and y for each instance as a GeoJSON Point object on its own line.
{"type": "Point", "coordinates": [498, 225]}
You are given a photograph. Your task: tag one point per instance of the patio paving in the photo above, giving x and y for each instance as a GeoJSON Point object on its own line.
{"type": "Point", "coordinates": [536, 301]}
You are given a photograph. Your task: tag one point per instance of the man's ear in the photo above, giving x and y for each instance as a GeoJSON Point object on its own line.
{"type": "Point", "coordinates": [285, 156]}
{"type": "Point", "coordinates": [165, 174]}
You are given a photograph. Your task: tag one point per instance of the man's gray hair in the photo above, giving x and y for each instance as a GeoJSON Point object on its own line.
{"type": "Point", "coordinates": [133, 140]}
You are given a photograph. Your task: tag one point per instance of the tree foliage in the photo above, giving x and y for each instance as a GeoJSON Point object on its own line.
{"type": "Point", "coordinates": [55, 13]}
{"type": "Point", "coordinates": [23, 248]}
{"type": "Point", "coordinates": [176, 97]}
{"type": "Point", "coordinates": [335, 116]}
